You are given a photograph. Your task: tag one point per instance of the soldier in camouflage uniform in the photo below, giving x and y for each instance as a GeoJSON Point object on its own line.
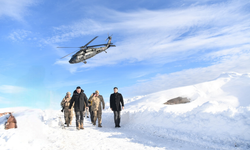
{"type": "Point", "coordinates": [90, 103]}
{"type": "Point", "coordinates": [67, 112]}
{"type": "Point", "coordinates": [96, 108]}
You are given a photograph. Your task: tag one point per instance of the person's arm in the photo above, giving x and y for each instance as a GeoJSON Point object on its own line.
{"type": "Point", "coordinates": [103, 104]}
{"type": "Point", "coordinates": [62, 103]}
{"type": "Point", "coordinates": [71, 102]}
{"type": "Point", "coordinates": [122, 102]}
{"type": "Point", "coordinates": [86, 100]}
{"type": "Point", "coordinates": [90, 99]}
{"type": "Point", "coordinates": [110, 100]}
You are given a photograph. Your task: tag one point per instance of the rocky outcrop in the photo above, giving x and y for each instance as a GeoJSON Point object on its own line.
{"type": "Point", "coordinates": [177, 100]}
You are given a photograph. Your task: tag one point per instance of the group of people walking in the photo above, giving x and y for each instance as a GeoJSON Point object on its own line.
{"type": "Point", "coordinates": [80, 104]}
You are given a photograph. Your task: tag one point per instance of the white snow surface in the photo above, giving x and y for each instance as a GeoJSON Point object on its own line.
{"type": "Point", "coordinates": [218, 117]}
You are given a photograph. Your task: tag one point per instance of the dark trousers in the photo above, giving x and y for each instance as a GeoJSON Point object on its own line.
{"type": "Point", "coordinates": [79, 117]}
{"type": "Point", "coordinates": [117, 117]}
{"type": "Point", "coordinates": [91, 114]}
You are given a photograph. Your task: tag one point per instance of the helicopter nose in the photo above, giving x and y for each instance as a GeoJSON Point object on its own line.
{"type": "Point", "coordinates": [72, 61]}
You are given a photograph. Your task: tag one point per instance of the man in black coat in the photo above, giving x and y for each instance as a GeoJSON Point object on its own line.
{"type": "Point", "coordinates": [81, 101]}
{"type": "Point", "coordinates": [116, 101]}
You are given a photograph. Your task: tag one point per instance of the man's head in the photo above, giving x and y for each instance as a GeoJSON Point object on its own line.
{"type": "Point", "coordinates": [97, 93]}
{"type": "Point", "coordinates": [115, 89]}
{"type": "Point", "coordinates": [78, 89]}
{"type": "Point", "coordinates": [68, 94]}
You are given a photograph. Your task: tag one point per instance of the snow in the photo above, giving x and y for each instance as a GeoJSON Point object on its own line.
{"type": "Point", "coordinates": [218, 117]}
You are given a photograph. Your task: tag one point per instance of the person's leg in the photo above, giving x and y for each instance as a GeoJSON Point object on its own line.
{"type": "Point", "coordinates": [69, 118]}
{"type": "Point", "coordinates": [99, 115]}
{"type": "Point", "coordinates": [90, 113]}
{"type": "Point", "coordinates": [87, 112]}
{"type": "Point", "coordinates": [115, 118]}
{"type": "Point", "coordinates": [81, 116]}
{"type": "Point", "coordinates": [77, 113]}
{"type": "Point", "coordinates": [118, 118]}
{"type": "Point", "coordinates": [65, 117]}
{"type": "Point", "coordinates": [81, 119]}
{"type": "Point", "coordinates": [94, 117]}
{"type": "Point", "coordinates": [72, 115]}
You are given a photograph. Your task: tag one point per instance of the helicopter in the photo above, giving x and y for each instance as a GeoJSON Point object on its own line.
{"type": "Point", "coordinates": [87, 52]}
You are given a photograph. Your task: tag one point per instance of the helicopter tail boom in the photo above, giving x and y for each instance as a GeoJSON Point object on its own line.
{"type": "Point", "coordinates": [112, 46]}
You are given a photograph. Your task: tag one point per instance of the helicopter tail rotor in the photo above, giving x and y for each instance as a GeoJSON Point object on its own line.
{"type": "Point", "coordinates": [109, 37]}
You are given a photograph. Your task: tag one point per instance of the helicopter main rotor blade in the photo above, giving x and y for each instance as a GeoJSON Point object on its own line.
{"type": "Point", "coordinates": [68, 47]}
{"type": "Point", "coordinates": [78, 47]}
{"type": "Point", "coordinates": [69, 54]}
{"type": "Point", "coordinates": [97, 45]}
{"type": "Point", "coordinates": [89, 42]}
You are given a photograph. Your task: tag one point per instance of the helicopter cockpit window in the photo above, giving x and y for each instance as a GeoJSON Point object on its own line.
{"type": "Point", "coordinates": [76, 57]}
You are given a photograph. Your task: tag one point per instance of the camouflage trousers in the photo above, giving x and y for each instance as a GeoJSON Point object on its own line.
{"type": "Point", "coordinates": [67, 116]}
{"type": "Point", "coordinates": [72, 115]}
{"type": "Point", "coordinates": [97, 114]}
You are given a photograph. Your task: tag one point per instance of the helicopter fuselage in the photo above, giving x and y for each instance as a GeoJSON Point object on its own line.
{"type": "Point", "coordinates": [85, 54]}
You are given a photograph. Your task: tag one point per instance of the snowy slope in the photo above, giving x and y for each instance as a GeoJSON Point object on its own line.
{"type": "Point", "coordinates": [218, 117]}
{"type": "Point", "coordinates": [219, 112]}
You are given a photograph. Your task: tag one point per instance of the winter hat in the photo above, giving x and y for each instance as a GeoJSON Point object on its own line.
{"type": "Point", "coordinates": [78, 87]}
{"type": "Point", "coordinates": [115, 88]}
{"type": "Point", "coordinates": [68, 93]}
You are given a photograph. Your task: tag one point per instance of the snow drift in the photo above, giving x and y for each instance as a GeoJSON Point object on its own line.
{"type": "Point", "coordinates": [219, 112]}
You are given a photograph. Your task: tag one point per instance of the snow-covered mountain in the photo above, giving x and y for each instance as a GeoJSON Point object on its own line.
{"type": "Point", "coordinates": [218, 117]}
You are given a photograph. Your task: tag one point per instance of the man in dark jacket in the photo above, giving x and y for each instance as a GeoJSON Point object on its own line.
{"type": "Point", "coordinates": [81, 102]}
{"type": "Point", "coordinates": [116, 101]}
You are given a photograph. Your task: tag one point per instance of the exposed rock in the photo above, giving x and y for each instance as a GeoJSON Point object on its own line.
{"type": "Point", "coordinates": [177, 100]}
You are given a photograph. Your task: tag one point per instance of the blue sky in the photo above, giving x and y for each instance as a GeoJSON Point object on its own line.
{"type": "Point", "coordinates": [160, 45]}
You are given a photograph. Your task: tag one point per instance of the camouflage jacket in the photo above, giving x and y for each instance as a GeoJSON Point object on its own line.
{"type": "Point", "coordinates": [96, 103]}
{"type": "Point", "coordinates": [66, 102]}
